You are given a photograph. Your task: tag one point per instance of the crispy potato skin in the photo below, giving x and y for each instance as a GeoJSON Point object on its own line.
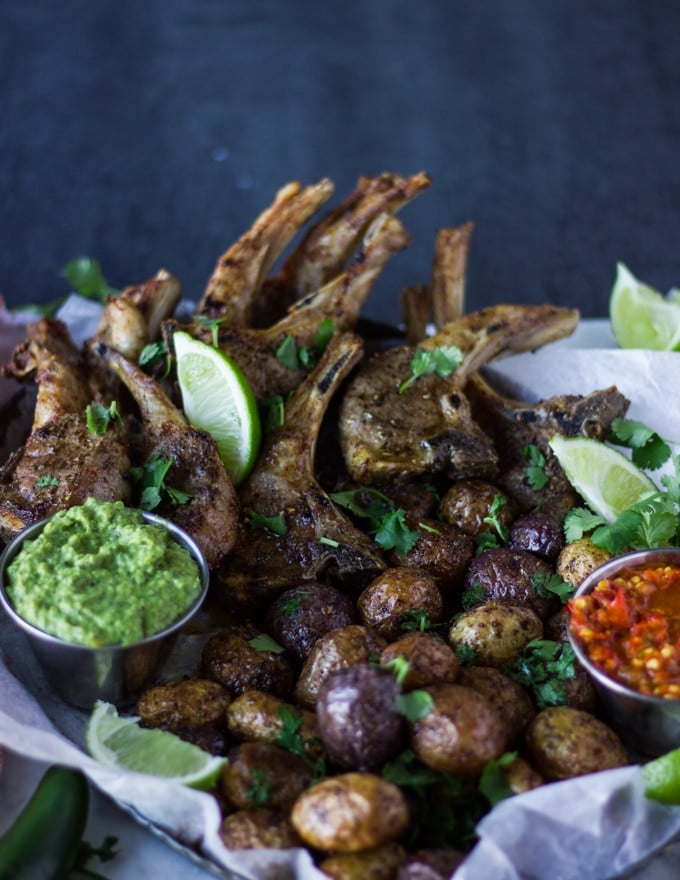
{"type": "Point", "coordinates": [347, 646]}
{"type": "Point", "coordinates": [563, 742]}
{"type": "Point", "coordinates": [230, 659]}
{"type": "Point", "coordinates": [495, 632]}
{"type": "Point", "coordinates": [578, 559]}
{"type": "Point", "coordinates": [507, 696]}
{"type": "Point", "coordinates": [350, 812]}
{"type": "Point", "coordinates": [262, 774]}
{"type": "Point", "coordinates": [429, 659]}
{"type": "Point", "coordinates": [461, 734]}
{"type": "Point", "coordinates": [467, 502]}
{"type": "Point", "coordinates": [257, 828]}
{"type": "Point", "coordinates": [399, 590]}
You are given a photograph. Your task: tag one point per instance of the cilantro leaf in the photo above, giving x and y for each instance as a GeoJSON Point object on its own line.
{"type": "Point", "coordinates": [152, 354]}
{"type": "Point", "coordinates": [493, 517]}
{"type": "Point", "coordinates": [535, 471]}
{"type": "Point", "coordinates": [151, 477]}
{"type": "Point", "coordinates": [84, 274]}
{"type": "Point", "coordinates": [276, 523]}
{"type": "Point", "coordinates": [99, 417]}
{"type": "Point", "coordinates": [544, 666]}
{"type": "Point", "coordinates": [414, 705]}
{"type": "Point", "coordinates": [579, 521]}
{"type": "Point", "coordinates": [399, 667]}
{"type": "Point", "coordinates": [259, 791]}
{"type": "Point", "coordinates": [443, 361]}
{"type": "Point", "coordinates": [265, 643]}
{"type": "Point", "coordinates": [387, 523]}
{"type": "Point", "coordinates": [290, 739]}
{"type": "Point", "coordinates": [472, 596]}
{"type": "Point", "coordinates": [648, 450]}
{"type": "Point", "coordinates": [492, 782]}
{"type": "Point", "coordinates": [46, 480]}
{"type": "Point", "coordinates": [394, 534]}
{"type": "Point", "coordinates": [212, 324]}
{"type": "Point", "coordinates": [547, 584]}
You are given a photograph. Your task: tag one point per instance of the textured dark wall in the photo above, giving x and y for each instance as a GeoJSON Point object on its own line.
{"type": "Point", "coordinates": [152, 133]}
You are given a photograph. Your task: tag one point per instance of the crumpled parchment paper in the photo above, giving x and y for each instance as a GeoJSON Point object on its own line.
{"type": "Point", "coordinates": [592, 828]}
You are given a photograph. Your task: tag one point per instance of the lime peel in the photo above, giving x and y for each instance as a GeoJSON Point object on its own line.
{"type": "Point", "coordinates": [120, 743]}
{"type": "Point", "coordinates": [662, 778]}
{"type": "Point", "coordinates": [605, 478]}
{"type": "Point", "coordinates": [217, 397]}
{"type": "Point", "coordinates": [640, 316]}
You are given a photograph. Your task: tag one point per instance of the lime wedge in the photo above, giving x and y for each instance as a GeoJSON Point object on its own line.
{"type": "Point", "coordinates": [641, 317]}
{"type": "Point", "coordinates": [607, 481]}
{"type": "Point", "coordinates": [217, 397]}
{"type": "Point", "coordinates": [122, 744]}
{"type": "Point", "coordinates": [662, 778]}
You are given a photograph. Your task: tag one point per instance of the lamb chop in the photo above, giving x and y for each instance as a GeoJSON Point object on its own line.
{"type": "Point", "coordinates": [240, 271]}
{"type": "Point", "coordinates": [428, 429]}
{"type": "Point", "coordinates": [290, 531]}
{"type": "Point", "coordinates": [210, 515]}
{"type": "Point", "coordinates": [133, 319]}
{"type": "Point", "coordinates": [62, 462]}
{"type": "Point", "coordinates": [257, 351]}
{"type": "Point", "coordinates": [329, 244]}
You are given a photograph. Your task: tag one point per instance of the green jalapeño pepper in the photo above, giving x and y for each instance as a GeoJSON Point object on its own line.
{"type": "Point", "coordinates": [44, 840]}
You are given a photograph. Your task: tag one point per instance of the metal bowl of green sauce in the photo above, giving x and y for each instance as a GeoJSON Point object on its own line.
{"type": "Point", "coordinates": [110, 645]}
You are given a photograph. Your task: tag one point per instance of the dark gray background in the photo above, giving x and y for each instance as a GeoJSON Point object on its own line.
{"type": "Point", "coordinates": [151, 134]}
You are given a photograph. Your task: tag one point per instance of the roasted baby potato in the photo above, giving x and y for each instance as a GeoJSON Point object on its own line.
{"type": "Point", "coordinates": [359, 723]}
{"type": "Point", "coordinates": [443, 550]}
{"type": "Point", "coordinates": [510, 699]}
{"type": "Point", "coordinates": [347, 646]}
{"type": "Point", "coordinates": [300, 616]}
{"type": "Point", "coordinates": [260, 717]}
{"type": "Point", "coordinates": [520, 776]}
{"type": "Point", "coordinates": [501, 574]}
{"type": "Point", "coordinates": [495, 632]}
{"type": "Point", "coordinates": [429, 658]}
{"type": "Point", "coordinates": [563, 742]}
{"type": "Point", "coordinates": [396, 593]}
{"type": "Point", "coordinates": [539, 532]}
{"type": "Point", "coordinates": [467, 504]}
{"type": "Point", "coordinates": [258, 828]}
{"type": "Point", "coordinates": [578, 559]}
{"type": "Point", "coordinates": [259, 774]}
{"type": "Point", "coordinates": [192, 702]}
{"type": "Point", "coordinates": [232, 658]}
{"type": "Point", "coordinates": [462, 732]}
{"type": "Point", "coordinates": [350, 812]}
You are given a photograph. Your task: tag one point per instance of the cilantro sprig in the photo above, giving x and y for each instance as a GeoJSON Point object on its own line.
{"type": "Point", "coordinates": [296, 357]}
{"type": "Point", "coordinates": [544, 666]}
{"type": "Point", "coordinates": [536, 476]}
{"type": "Point", "coordinates": [99, 417]}
{"type": "Point", "coordinates": [290, 739]}
{"type": "Point", "coordinates": [443, 361]}
{"type": "Point", "coordinates": [648, 449]}
{"type": "Point", "coordinates": [151, 477]}
{"type": "Point", "coordinates": [386, 522]}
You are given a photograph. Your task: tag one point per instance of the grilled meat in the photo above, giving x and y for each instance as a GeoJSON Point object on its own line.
{"type": "Point", "coordinates": [210, 515]}
{"type": "Point", "coordinates": [256, 351]}
{"type": "Point", "coordinates": [513, 425]}
{"type": "Point", "coordinates": [387, 435]}
{"type": "Point", "coordinates": [62, 462]}
{"type": "Point", "coordinates": [315, 541]}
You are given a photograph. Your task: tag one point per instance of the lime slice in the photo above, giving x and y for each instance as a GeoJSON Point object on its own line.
{"type": "Point", "coordinates": [122, 744]}
{"type": "Point", "coordinates": [662, 778]}
{"type": "Point", "coordinates": [217, 397]}
{"type": "Point", "coordinates": [607, 481]}
{"type": "Point", "coordinates": [641, 317]}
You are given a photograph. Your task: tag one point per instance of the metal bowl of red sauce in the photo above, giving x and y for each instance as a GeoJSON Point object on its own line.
{"type": "Point", "coordinates": [624, 626]}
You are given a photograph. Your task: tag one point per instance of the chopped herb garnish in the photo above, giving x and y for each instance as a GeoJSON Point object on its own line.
{"type": "Point", "coordinates": [287, 353]}
{"type": "Point", "coordinates": [492, 782]}
{"type": "Point", "coordinates": [289, 738]}
{"type": "Point", "coordinates": [466, 655]}
{"type": "Point", "coordinates": [151, 478]}
{"type": "Point", "coordinates": [152, 354]}
{"type": "Point", "coordinates": [415, 619]}
{"type": "Point", "coordinates": [387, 523]}
{"type": "Point", "coordinates": [493, 517]}
{"type": "Point", "coordinates": [399, 667]}
{"type": "Point", "coordinates": [544, 666]}
{"type": "Point", "coordinates": [535, 471]}
{"type": "Point", "coordinates": [45, 481]}
{"type": "Point", "coordinates": [473, 596]}
{"type": "Point", "coordinates": [273, 413]}
{"type": "Point", "coordinates": [276, 523]}
{"type": "Point", "coordinates": [99, 417]}
{"type": "Point", "coordinates": [265, 643]}
{"type": "Point", "coordinates": [442, 360]}
{"type": "Point", "coordinates": [84, 274]}
{"type": "Point", "coordinates": [648, 450]}
{"type": "Point", "coordinates": [258, 793]}
{"type": "Point", "coordinates": [414, 705]}
{"type": "Point", "coordinates": [212, 324]}
{"type": "Point", "coordinates": [329, 542]}
{"type": "Point", "coordinates": [548, 584]}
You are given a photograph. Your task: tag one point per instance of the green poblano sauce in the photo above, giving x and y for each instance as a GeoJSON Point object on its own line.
{"type": "Point", "coordinates": [98, 574]}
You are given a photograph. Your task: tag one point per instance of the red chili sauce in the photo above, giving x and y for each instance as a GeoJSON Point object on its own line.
{"type": "Point", "coordinates": [629, 627]}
